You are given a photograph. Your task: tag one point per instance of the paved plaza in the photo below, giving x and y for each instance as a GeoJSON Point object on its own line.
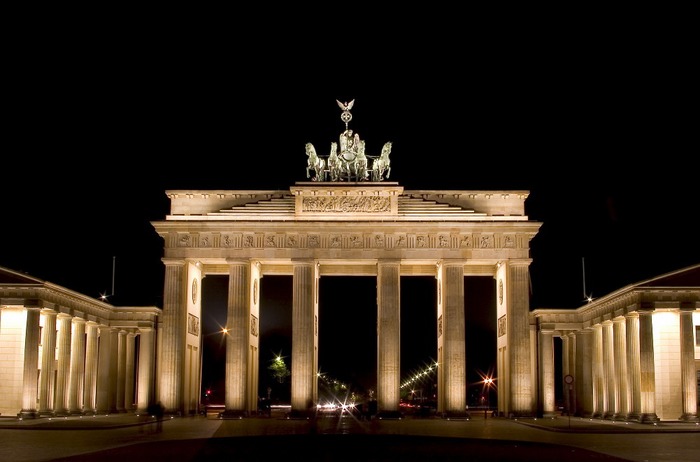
{"type": "Point", "coordinates": [130, 438]}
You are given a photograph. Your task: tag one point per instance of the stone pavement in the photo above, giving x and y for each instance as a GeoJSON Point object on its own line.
{"type": "Point", "coordinates": [130, 438]}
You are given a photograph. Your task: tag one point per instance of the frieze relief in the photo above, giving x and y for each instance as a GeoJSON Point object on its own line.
{"type": "Point", "coordinates": [314, 240]}
{"type": "Point", "coordinates": [270, 240]}
{"type": "Point", "coordinates": [348, 241]}
{"type": "Point", "coordinates": [336, 204]}
{"type": "Point", "coordinates": [486, 242]}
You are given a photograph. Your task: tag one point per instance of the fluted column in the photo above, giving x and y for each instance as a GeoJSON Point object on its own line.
{"type": "Point", "coordinates": [63, 367]}
{"type": "Point", "coordinates": [238, 324]}
{"type": "Point", "coordinates": [103, 393]}
{"type": "Point", "coordinates": [647, 368]}
{"type": "Point", "coordinates": [634, 375]}
{"type": "Point", "coordinates": [130, 372]}
{"type": "Point", "coordinates": [388, 337]}
{"type": "Point", "coordinates": [172, 356]}
{"type": "Point", "coordinates": [121, 370]}
{"type": "Point", "coordinates": [91, 360]}
{"type": "Point", "coordinates": [522, 391]}
{"type": "Point", "coordinates": [144, 395]}
{"type": "Point", "coordinates": [77, 367]}
{"type": "Point", "coordinates": [688, 369]}
{"type": "Point", "coordinates": [303, 335]}
{"type": "Point", "coordinates": [609, 378]}
{"type": "Point", "coordinates": [583, 383]}
{"type": "Point", "coordinates": [454, 359]}
{"type": "Point", "coordinates": [621, 386]}
{"type": "Point", "coordinates": [31, 360]}
{"type": "Point", "coordinates": [599, 389]}
{"type": "Point", "coordinates": [570, 389]}
{"type": "Point", "coordinates": [48, 358]}
{"type": "Point", "coordinates": [566, 369]}
{"type": "Point", "coordinates": [547, 371]}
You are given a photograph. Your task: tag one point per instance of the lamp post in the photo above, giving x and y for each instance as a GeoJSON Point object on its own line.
{"type": "Point", "coordinates": [488, 381]}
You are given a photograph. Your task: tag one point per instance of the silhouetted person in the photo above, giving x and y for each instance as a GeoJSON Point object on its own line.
{"type": "Point", "coordinates": [157, 411]}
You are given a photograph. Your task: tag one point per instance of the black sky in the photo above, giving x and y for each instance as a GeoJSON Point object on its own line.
{"type": "Point", "coordinates": [598, 133]}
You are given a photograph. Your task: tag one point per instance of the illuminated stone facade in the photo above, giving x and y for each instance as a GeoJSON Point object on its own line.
{"type": "Point", "coordinates": [322, 229]}
{"type": "Point", "coordinates": [63, 353]}
{"type": "Point", "coordinates": [631, 355]}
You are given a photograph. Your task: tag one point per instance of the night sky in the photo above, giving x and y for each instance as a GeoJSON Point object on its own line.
{"type": "Point", "coordinates": [603, 146]}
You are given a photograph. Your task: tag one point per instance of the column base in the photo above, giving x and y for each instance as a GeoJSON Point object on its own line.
{"type": "Point", "coordinates": [520, 415]}
{"type": "Point", "coordinates": [456, 415]}
{"type": "Point", "coordinates": [296, 414]}
{"type": "Point", "coordinates": [389, 415]}
{"type": "Point", "coordinates": [233, 415]}
{"type": "Point", "coordinates": [690, 418]}
{"type": "Point", "coordinates": [28, 415]}
{"type": "Point", "coordinates": [649, 418]}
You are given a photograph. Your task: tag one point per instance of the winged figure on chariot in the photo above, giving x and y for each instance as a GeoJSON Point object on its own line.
{"type": "Point", "coordinates": [347, 160]}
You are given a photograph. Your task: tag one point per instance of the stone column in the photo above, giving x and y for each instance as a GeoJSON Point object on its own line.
{"type": "Point", "coordinates": [573, 368]}
{"type": "Point", "coordinates": [634, 375]}
{"type": "Point", "coordinates": [103, 394]}
{"type": "Point", "coordinates": [91, 352]}
{"type": "Point", "coordinates": [599, 389]}
{"type": "Point", "coordinates": [303, 336]}
{"type": "Point", "coordinates": [388, 337]}
{"type": "Point", "coordinates": [688, 370]}
{"type": "Point", "coordinates": [63, 368]}
{"type": "Point", "coordinates": [172, 356]}
{"type": "Point", "coordinates": [144, 395]}
{"type": "Point", "coordinates": [609, 378]}
{"type": "Point", "coordinates": [121, 370]}
{"type": "Point", "coordinates": [238, 324]}
{"type": "Point", "coordinates": [77, 367]}
{"type": "Point", "coordinates": [31, 360]}
{"type": "Point", "coordinates": [620, 358]}
{"type": "Point", "coordinates": [454, 340]}
{"type": "Point", "coordinates": [130, 375]}
{"type": "Point", "coordinates": [583, 382]}
{"type": "Point", "coordinates": [647, 368]}
{"type": "Point", "coordinates": [566, 369]}
{"type": "Point", "coordinates": [546, 354]}
{"type": "Point", "coordinates": [48, 358]}
{"type": "Point", "coordinates": [522, 391]}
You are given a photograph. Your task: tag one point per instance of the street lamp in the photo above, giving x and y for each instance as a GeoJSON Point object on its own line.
{"type": "Point", "coordinates": [488, 381]}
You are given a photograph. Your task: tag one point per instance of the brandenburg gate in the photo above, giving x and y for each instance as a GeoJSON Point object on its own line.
{"type": "Point", "coordinates": [347, 219]}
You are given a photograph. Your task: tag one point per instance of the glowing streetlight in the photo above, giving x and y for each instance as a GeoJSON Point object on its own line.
{"type": "Point", "coordinates": [488, 381]}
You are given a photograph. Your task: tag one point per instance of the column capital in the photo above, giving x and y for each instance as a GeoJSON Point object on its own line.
{"type": "Point", "coordinates": [303, 262]}
{"type": "Point", "coordinates": [452, 262]}
{"type": "Point", "coordinates": [173, 261]}
{"type": "Point", "coordinates": [389, 261]}
{"type": "Point", "coordinates": [238, 261]}
{"type": "Point", "coordinates": [518, 262]}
